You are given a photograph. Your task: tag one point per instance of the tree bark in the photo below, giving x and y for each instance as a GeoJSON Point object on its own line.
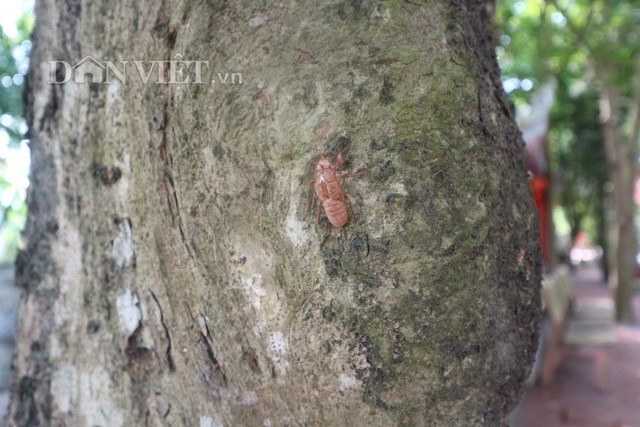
{"type": "Point", "coordinates": [622, 154]}
{"type": "Point", "coordinates": [602, 235]}
{"type": "Point", "coordinates": [175, 272]}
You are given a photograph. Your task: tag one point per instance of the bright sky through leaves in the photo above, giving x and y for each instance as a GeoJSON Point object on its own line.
{"type": "Point", "coordinates": [14, 151]}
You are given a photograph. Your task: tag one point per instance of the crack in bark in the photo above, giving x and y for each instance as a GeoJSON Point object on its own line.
{"type": "Point", "coordinates": [207, 341]}
{"type": "Point", "coordinates": [183, 235]}
{"type": "Point", "coordinates": [162, 117]}
{"type": "Point", "coordinates": [212, 357]}
{"type": "Point", "coordinates": [210, 353]}
{"type": "Point", "coordinates": [50, 109]}
{"type": "Point", "coordinates": [172, 365]}
{"type": "Point", "coordinates": [175, 211]}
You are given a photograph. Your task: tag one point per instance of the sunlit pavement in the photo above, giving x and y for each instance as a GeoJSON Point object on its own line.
{"type": "Point", "coordinates": [573, 399]}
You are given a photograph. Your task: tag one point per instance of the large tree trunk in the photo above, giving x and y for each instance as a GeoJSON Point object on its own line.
{"type": "Point", "coordinates": [175, 272]}
{"type": "Point", "coordinates": [622, 155]}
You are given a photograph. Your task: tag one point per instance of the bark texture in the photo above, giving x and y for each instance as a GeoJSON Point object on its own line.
{"type": "Point", "coordinates": [622, 154]}
{"type": "Point", "coordinates": [175, 272]}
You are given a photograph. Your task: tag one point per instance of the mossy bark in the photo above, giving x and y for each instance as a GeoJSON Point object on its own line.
{"type": "Point", "coordinates": [175, 272]}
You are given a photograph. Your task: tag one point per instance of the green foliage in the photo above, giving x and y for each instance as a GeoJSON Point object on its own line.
{"type": "Point", "coordinates": [13, 150]}
{"type": "Point", "coordinates": [581, 45]}
{"type": "Point", "coordinates": [572, 39]}
{"type": "Point", "coordinates": [579, 159]}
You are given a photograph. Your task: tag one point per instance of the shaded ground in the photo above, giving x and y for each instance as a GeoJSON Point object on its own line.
{"type": "Point", "coordinates": [573, 399]}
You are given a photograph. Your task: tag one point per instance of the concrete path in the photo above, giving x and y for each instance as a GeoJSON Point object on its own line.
{"type": "Point", "coordinates": [573, 399]}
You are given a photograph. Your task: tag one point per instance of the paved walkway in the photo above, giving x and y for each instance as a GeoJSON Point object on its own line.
{"type": "Point", "coordinates": [573, 399]}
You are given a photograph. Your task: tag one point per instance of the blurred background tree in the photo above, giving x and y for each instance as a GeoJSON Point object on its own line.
{"type": "Point", "coordinates": [580, 165]}
{"type": "Point", "coordinates": [14, 153]}
{"type": "Point", "coordinates": [592, 50]}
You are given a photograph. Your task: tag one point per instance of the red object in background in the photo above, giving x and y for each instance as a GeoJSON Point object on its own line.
{"type": "Point", "coordinates": [539, 185]}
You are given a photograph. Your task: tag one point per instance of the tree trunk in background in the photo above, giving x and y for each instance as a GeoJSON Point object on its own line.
{"type": "Point", "coordinates": [602, 235]}
{"type": "Point", "coordinates": [175, 273]}
{"type": "Point", "coordinates": [622, 154]}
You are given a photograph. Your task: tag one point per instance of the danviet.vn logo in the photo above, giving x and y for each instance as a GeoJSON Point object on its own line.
{"type": "Point", "coordinates": [176, 71]}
